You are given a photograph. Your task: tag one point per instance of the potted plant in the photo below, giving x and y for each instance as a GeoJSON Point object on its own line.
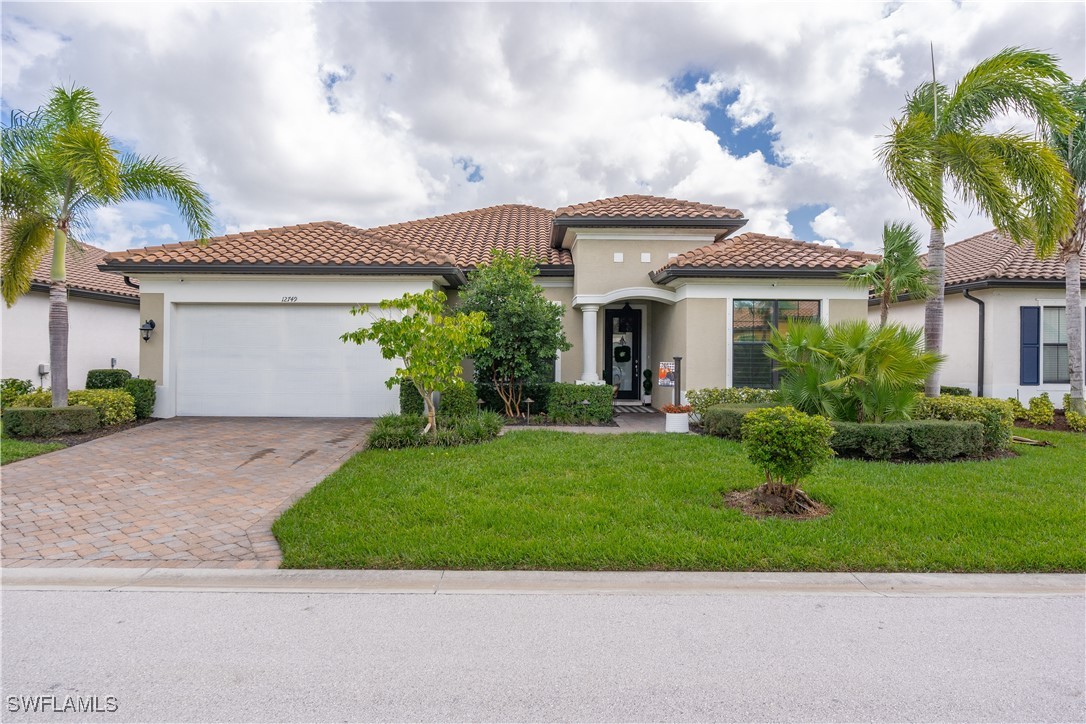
{"type": "Point", "coordinates": [677, 418]}
{"type": "Point", "coordinates": [647, 387]}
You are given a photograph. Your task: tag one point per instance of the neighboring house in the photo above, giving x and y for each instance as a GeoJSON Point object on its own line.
{"type": "Point", "coordinates": [1005, 332]}
{"type": "Point", "coordinates": [249, 324]}
{"type": "Point", "coordinates": [103, 321]}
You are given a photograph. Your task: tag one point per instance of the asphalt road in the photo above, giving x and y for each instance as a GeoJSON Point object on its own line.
{"type": "Point", "coordinates": [259, 656]}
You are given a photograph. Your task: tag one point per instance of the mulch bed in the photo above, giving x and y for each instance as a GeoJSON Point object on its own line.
{"type": "Point", "coordinates": [70, 440]}
{"type": "Point", "coordinates": [758, 503]}
{"type": "Point", "coordinates": [1059, 424]}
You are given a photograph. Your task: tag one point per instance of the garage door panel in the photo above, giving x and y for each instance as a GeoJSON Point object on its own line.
{"type": "Point", "coordinates": [253, 360]}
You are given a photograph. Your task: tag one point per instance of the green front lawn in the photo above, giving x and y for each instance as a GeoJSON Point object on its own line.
{"type": "Point", "coordinates": [12, 450]}
{"type": "Point", "coordinates": [552, 500]}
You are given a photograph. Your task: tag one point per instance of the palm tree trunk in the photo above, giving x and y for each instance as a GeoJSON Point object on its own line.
{"type": "Point", "coordinates": [933, 310]}
{"type": "Point", "coordinates": [884, 304]}
{"type": "Point", "coordinates": [1073, 284]}
{"type": "Point", "coordinates": [58, 322]}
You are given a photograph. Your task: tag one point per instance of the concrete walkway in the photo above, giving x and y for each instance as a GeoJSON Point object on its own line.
{"type": "Point", "coordinates": [430, 582]}
{"type": "Point", "coordinates": [180, 492]}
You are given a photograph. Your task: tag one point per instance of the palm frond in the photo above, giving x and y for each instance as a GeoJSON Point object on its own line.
{"type": "Point", "coordinates": [26, 240]}
{"type": "Point", "coordinates": [72, 107]}
{"type": "Point", "coordinates": [978, 176]}
{"type": "Point", "coordinates": [89, 159]}
{"type": "Point", "coordinates": [1014, 80]}
{"type": "Point", "coordinates": [1071, 144]}
{"type": "Point", "coordinates": [151, 178]}
{"type": "Point", "coordinates": [908, 158]}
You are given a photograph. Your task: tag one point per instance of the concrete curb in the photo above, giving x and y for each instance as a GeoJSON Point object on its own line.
{"type": "Point", "coordinates": [543, 582]}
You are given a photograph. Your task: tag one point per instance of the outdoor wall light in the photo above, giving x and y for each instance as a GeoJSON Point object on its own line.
{"type": "Point", "coordinates": [146, 328]}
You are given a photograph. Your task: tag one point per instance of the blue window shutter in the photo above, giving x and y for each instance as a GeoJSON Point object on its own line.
{"type": "Point", "coordinates": [1029, 365]}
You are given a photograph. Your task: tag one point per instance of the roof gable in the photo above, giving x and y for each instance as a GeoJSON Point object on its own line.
{"type": "Point", "coordinates": [992, 256]}
{"type": "Point", "coordinates": [638, 206]}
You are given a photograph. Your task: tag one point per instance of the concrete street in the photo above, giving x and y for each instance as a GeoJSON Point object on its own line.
{"type": "Point", "coordinates": [226, 646]}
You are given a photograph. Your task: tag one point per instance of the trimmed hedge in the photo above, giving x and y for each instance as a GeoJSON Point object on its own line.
{"type": "Point", "coordinates": [107, 379]}
{"type": "Point", "coordinates": [410, 400]}
{"type": "Point", "coordinates": [393, 432]}
{"type": "Point", "coordinates": [12, 388]}
{"type": "Point", "coordinates": [785, 443]}
{"type": "Point", "coordinates": [48, 421]}
{"type": "Point", "coordinates": [143, 394]}
{"type": "Point", "coordinates": [997, 416]}
{"type": "Point", "coordinates": [453, 402]}
{"type": "Point", "coordinates": [701, 400]}
{"type": "Point", "coordinates": [113, 406]}
{"type": "Point", "coordinates": [726, 421]}
{"type": "Point", "coordinates": [539, 393]}
{"type": "Point", "coordinates": [1017, 409]}
{"type": "Point", "coordinates": [955, 391]}
{"type": "Point", "coordinates": [565, 403]}
{"type": "Point", "coordinates": [922, 440]}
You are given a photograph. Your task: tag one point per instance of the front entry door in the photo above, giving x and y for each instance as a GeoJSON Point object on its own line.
{"type": "Point", "coordinates": [622, 366]}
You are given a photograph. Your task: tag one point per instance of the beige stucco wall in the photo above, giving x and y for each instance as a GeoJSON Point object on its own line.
{"type": "Point", "coordinates": [841, 310]}
{"type": "Point", "coordinates": [151, 351]}
{"type": "Point", "coordinates": [570, 361]}
{"type": "Point", "coordinates": [599, 273]}
{"type": "Point", "coordinates": [667, 338]}
{"type": "Point", "coordinates": [707, 343]}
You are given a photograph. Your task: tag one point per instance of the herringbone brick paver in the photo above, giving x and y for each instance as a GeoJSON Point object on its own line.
{"type": "Point", "coordinates": [178, 492]}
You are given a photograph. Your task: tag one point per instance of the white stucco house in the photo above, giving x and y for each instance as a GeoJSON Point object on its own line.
{"type": "Point", "coordinates": [103, 318]}
{"type": "Point", "coordinates": [249, 323]}
{"type": "Point", "coordinates": [1004, 324]}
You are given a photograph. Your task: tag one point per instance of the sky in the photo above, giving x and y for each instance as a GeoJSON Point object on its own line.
{"type": "Point", "coordinates": [374, 113]}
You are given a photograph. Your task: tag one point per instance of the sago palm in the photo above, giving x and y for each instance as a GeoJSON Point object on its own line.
{"type": "Point", "coordinates": [900, 271]}
{"type": "Point", "coordinates": [58, 166]}
{"type": "Point", "coordinates": [939, 150]}
{"type": "Point", "coordinates": [1071, 148]}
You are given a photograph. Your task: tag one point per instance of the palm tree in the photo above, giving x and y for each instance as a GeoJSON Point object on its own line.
{"type": "Point", "coordinates": [900, 271]}
{"type": "Point", "coordinates": [939, 150]}
{"type": "Point", "coordinates": [58, 165]}
{"type": "Point", "coordinates": [1071, 147]}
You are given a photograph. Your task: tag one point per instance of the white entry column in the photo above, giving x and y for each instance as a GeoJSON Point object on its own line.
{"type": "Point", "coordinates": [589, 347]}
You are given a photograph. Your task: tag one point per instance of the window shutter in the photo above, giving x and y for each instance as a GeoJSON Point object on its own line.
{"type": "Point", "coordinates": [1029, 366]}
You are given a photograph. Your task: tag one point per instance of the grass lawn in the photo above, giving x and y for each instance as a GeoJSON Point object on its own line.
{"type": "Point", "coordinates": [12, 450]}
{"type": "Point", "coordinates": [553, 500]}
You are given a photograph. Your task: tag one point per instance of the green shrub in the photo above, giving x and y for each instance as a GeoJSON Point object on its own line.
{"type": "Point", "coordinates": [1017, 409]}
{"type": "Point", "coordinates": [392, 432]}
{"type": "Point", "coordinates": [726, 420]}
{"type": "Point", "coordinates": [458, 401]}
{"type": "Point", "coordinates": [922, 440]}
{"type": "Point", "coordinates": [143, 393]}
{"type": "Point", "coordinates": [786, 444]}
{"type": "Point", "coordinates": [1075, 421]}
{"type": "Point", "coordinates": [1066, 401]}
{"type": "Point", "coordinates": [955, 391]}
{"type": "Point", "coordinates": [410, 400]}
{"type": "Point", "coordinates": [1041, 411]}
{"type": "Point", "coordinates": [48, 421]}
{"type": "Point", "coordinates": [37, 398]}
{"type": "Point", "coordinates": [996, 416]}
{"type": "Point", "coordinates": [538, 392]}
{"type": "Point", "coordinates": [107, 379]}
{"type": "Point", "coordinates": [566, 405]}
{"type": "Point", "coordinates": [114, 406]}
{"type": "Point", "coordinates": [701, 400]}
{"type": "Point", "coordinates": [10, 388]}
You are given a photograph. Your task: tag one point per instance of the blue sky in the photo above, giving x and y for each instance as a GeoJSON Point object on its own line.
{"type": "Point", "coordinates": [285, 115]}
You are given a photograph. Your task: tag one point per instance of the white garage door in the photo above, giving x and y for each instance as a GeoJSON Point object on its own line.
{"type": "Point", "coordinates": [277, 361]}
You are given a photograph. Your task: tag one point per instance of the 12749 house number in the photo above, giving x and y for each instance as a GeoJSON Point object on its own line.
{"type": "Point", "coordinates": [290, 299]}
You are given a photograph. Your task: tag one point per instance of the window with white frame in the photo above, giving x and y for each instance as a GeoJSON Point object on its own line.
{"type": "Point", "coordinates": [1054, 346]}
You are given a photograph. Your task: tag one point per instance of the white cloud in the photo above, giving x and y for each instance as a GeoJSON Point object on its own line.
{"type": "Point", "coordinates": [833, 228]}
{"type": "Point", "coordinates": [240, 94]}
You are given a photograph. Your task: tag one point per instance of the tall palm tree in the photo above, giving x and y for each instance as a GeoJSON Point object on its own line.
{"type": "Point", "coordinates": [939, 150]}
{"type": "Point", "coordinates": [1071, 147]}
{"type": "Point", "coordinates": [900, 271]}
{"type": "Point", "coordinates": [58, 166]}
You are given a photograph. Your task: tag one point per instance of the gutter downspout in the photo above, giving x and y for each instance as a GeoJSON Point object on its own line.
{"type": "Point", "coordinates": [129, 282]}
{"type": "Point", "coordinates": [980, 341]}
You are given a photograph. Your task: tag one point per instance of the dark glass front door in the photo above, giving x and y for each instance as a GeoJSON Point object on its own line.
{"type": "Point", "coordinates": [622, 351]}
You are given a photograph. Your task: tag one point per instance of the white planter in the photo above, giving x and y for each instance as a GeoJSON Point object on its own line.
{"type": "Point", "coordinates": [677, 422]}
{"type": "Point", "coordinates": [647, 399]}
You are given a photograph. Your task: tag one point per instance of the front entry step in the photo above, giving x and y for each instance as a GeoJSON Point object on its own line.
{"type": "Point", "coordinates": [632, 409]}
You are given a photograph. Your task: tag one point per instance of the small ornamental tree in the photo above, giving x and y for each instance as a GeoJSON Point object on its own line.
{"type": "Point", "coordinates": [525, 327]}
{"type": "Point", "coordinates": [786, 445]}
{"type": "Point", "coordinates": [429, 343]}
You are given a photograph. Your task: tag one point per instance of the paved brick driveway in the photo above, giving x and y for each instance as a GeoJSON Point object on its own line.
{"type": "Point", "coordinates": [180, 492]}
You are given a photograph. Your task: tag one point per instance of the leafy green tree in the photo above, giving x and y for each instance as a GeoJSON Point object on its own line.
{"type": "Point", "coordinates": [940, 149]}
{"type": "Point", "coordinates": [900, 271]}
{"type": "Point", "coordinates": [58, 166]}
{"type": "Point", "coordinates": [851, 371]}
{"type": "Point", "coordinates": [787, 445]}
{"type": "Point", "coordinates": [1071, 148]}
{"type": "Point", "coordinates": [525, 327]}
{"type": "Point", "coordinates": [429, 343]}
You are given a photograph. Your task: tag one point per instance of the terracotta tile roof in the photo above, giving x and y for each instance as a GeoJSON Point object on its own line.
{"type": "Point", "coordinates": [640, 206]}
{"type": "Point", "coordinates": [470, 236]}
{"type": "Point", "coordinates": [81, 271]}
{"type": "Point", "coordinates": [759, 251]}
{"type": "Point", "coordinates": [325, 243]}
{"type": "Point", "coordinates": [992, 255]}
